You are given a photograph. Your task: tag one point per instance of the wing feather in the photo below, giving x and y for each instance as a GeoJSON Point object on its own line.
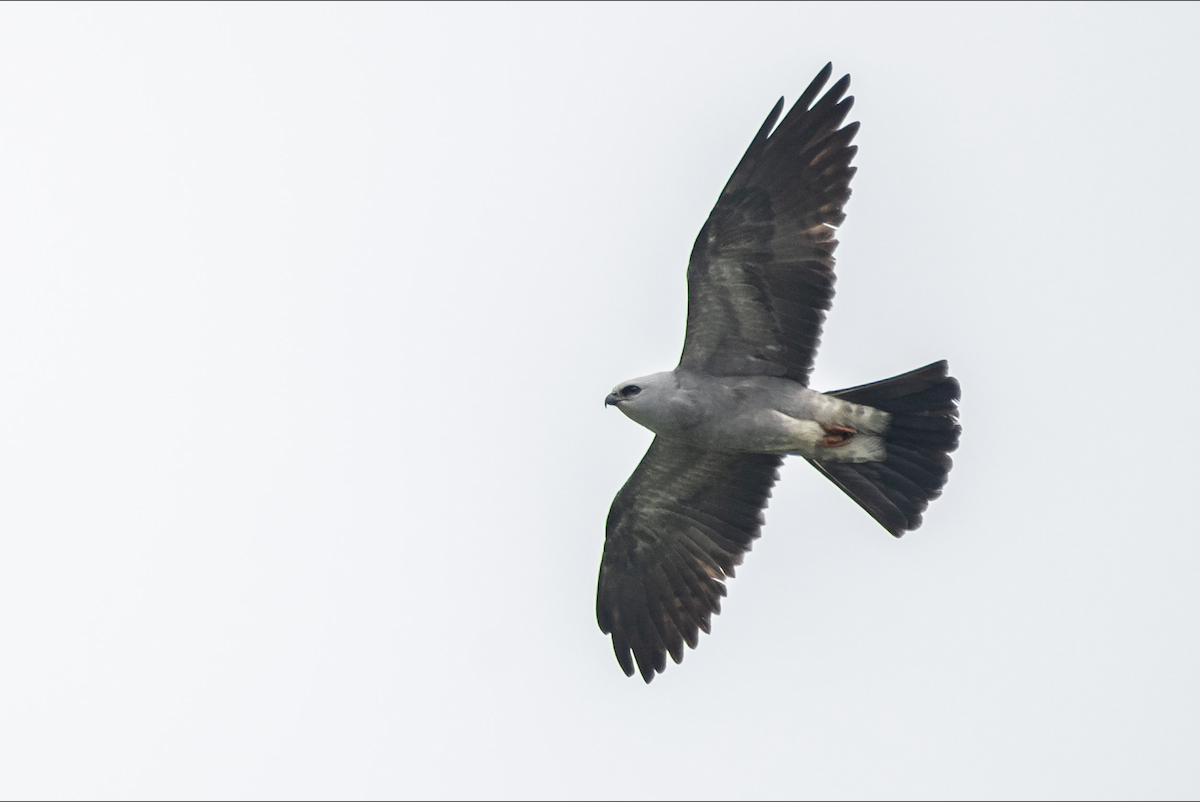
{"type": "Point", "coordinates": [675, 532]}
{"type": "Point", "coordinates": [760, 279]}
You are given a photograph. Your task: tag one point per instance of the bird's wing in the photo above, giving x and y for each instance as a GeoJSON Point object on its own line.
{"type": "Point", "coordinates": [760, 277]}
{"type": "Point", "coordinates": [675, 531]}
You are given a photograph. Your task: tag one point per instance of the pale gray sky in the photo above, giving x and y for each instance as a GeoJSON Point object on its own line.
{"type": "Point", "coordinates": [307, 316]}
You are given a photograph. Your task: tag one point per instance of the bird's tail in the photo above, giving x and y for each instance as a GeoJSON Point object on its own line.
{"type": "Point", "coordinates": [923, 431]}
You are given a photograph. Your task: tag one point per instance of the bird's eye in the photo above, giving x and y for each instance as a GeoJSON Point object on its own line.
{"type": "Point", "coordinates": [630, 389]}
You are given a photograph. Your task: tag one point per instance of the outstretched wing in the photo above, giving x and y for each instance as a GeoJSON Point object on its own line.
{"type": "Point", "coordinates": [761, 274]}
{"type": "Point", "coordinates": [675, 531]}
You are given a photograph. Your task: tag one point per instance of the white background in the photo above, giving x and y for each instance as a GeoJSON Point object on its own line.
{"type": "Point", "coordinates": [307, 315]}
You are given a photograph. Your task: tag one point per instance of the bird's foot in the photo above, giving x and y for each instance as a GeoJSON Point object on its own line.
{"type": "Point", "coordinates": [836, 435]}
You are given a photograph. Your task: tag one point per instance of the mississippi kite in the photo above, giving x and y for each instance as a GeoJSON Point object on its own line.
{"type": "Point", "coordinates": [760, 281]}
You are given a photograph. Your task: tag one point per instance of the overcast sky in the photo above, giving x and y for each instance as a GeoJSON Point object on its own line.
{"type": "Point", "coordinates": [307, 316]}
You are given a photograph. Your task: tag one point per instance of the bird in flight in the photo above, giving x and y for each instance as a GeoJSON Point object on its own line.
{"type": "Point", "coordinates": [760, 281]}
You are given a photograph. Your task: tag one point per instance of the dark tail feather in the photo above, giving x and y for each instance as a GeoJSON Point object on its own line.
{"type": "Point", "coordinates": [923, 431]}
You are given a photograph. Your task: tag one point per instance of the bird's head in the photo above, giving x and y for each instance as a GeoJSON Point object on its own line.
{"type": "Point", "coordinates": [645, 399]}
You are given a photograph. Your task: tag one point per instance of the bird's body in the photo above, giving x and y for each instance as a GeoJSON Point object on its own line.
{"type": "Point", "coordinates": [752, 414]}
{"type": "Point", "coordinates": [760, 281]}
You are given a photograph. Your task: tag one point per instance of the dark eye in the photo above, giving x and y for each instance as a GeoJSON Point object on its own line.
{"type": "Point", "coordinates": [630, 389]}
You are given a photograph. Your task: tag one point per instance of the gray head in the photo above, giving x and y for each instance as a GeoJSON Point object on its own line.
{"type": "Point", "coordinates": [649, 400]}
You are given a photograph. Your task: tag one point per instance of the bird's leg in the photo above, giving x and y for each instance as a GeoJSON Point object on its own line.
{"type": "Point", "coordinates": [836, 435]}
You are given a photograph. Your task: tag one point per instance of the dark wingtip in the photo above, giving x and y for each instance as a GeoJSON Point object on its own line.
{"type": "Point", "coordinates": [839, 88]}
{"type": "Point", "coordinates": [814, 88]}
{"type": "Point", "coordinates": [624, 658]}
{"type": "Point", "coordinates": [769, 123]}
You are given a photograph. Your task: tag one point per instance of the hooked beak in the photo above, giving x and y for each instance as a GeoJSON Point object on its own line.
{"type": "Point", "coordinates": [612, 400]}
